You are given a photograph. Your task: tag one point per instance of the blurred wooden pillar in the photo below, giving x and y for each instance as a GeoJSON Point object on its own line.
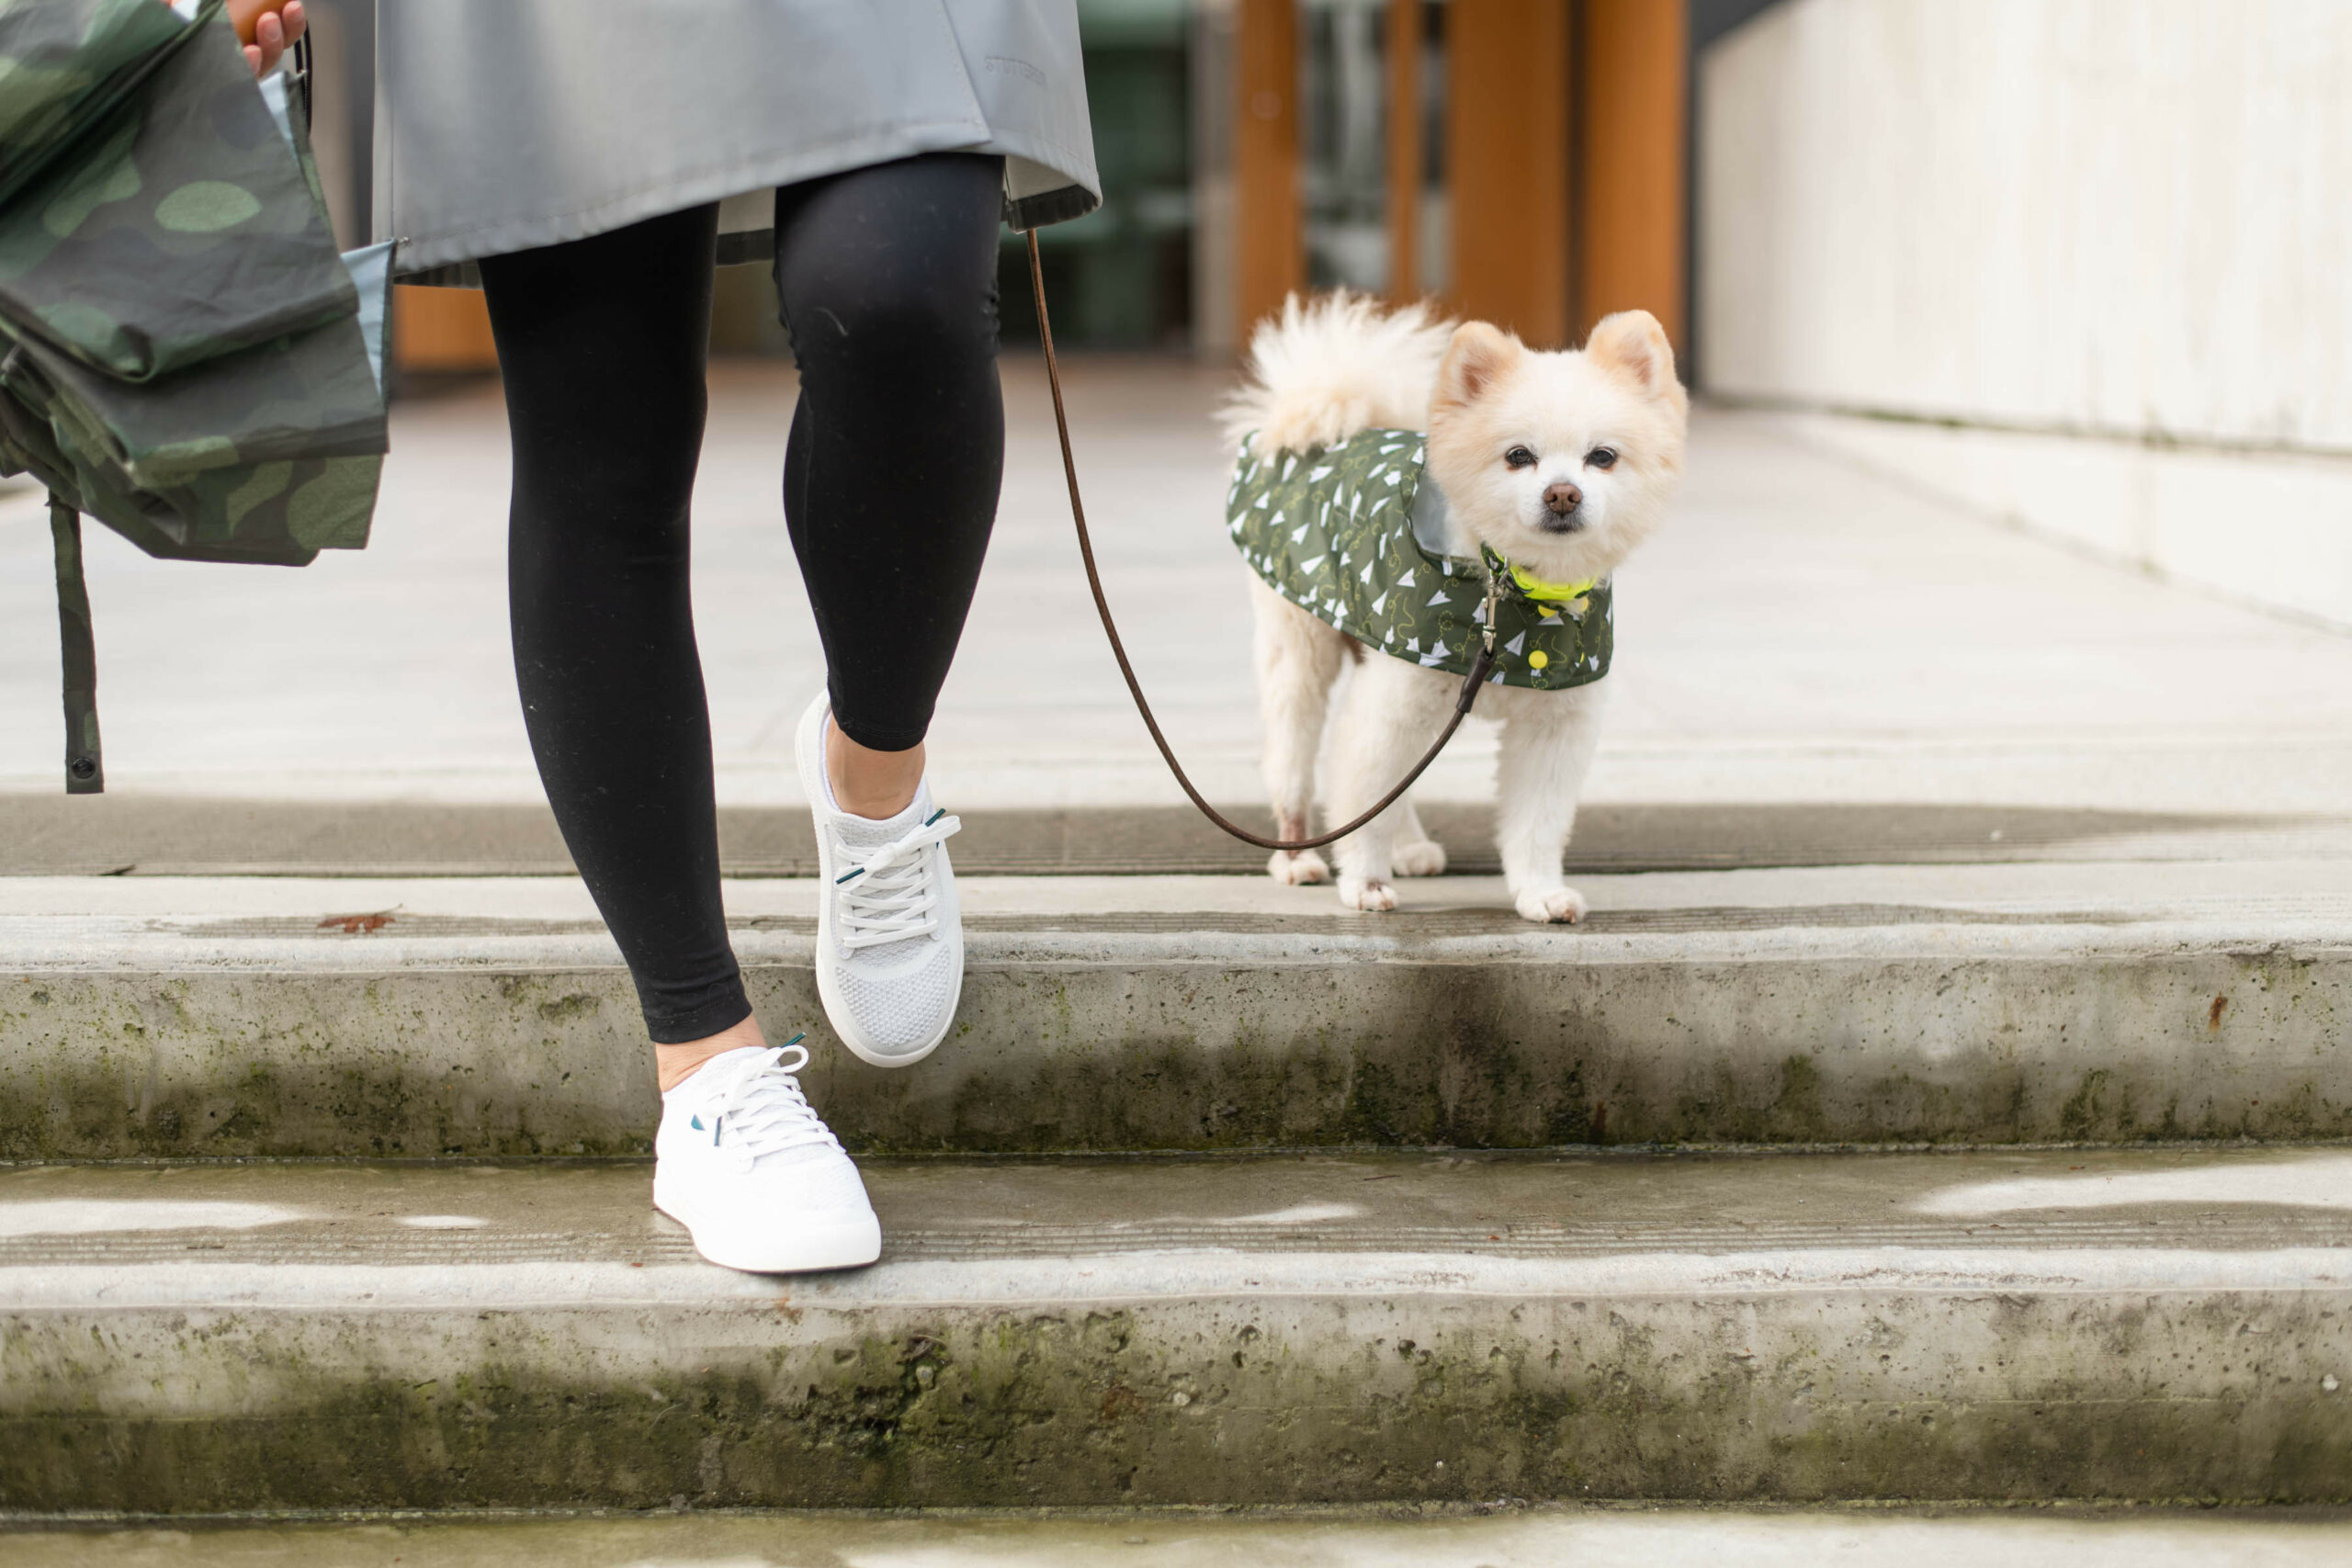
{"type": "Point", "coordinates": [1405, 170]}
{"type": "Point", "coordinates": [1266, 157]}
{"type": "Point", "coordinates": [441, 328]}
{"type": "Point", "coordinates": [1565, 162]}
{"type": "Point", "coordinates": [1630, 247]}
{"type": "Point", "coordinates": [1508, 94]}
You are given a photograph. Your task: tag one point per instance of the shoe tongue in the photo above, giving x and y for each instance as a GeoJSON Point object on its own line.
{"type": "Point", "coordinates": [872, 833]}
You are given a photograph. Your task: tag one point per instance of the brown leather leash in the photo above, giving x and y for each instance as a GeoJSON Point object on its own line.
{"type": "Point", "coordinates": [1479, 667]}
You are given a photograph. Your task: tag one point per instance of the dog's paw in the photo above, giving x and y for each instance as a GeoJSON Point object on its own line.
{"type": "Point", "coordinates": [1424, 859]}
{"type": "Point", "coordinates": [1298, 870]}
{"type": "Point", "coordinates": [1362, 893]}
{"type": "Point", "coordinates": [1552, 904]}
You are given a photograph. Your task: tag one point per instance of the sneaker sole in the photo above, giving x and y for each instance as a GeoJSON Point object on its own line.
{"type": "Point", "coordinates": [813, 1252]}
{"type": "Point", "coordinates": [837, 1011]}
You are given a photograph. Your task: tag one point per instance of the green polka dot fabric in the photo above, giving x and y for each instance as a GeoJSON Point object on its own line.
{"type": "Point", "coordinates": [1330, 529]}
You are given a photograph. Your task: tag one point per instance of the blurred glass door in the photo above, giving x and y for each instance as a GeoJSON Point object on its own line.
{"type": "Point", "coordinates": [1372, 75]}
{"type": "Point", "coordinates": [1120, 277]}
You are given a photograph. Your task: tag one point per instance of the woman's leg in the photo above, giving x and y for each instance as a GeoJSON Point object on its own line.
{"type": "Point", "coordinates": [602, 343]}
{"type": "Point", "coordinates": [887, 281]}
{"type": "Point", "coordinates": [887, 278]}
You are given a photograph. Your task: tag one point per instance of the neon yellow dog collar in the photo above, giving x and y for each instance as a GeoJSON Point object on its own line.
{"type": "Point", "coordinates": [1545, 593]}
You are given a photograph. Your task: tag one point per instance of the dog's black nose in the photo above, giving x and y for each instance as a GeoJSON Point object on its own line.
{"type": "Point", "coordinates": [1563, 498]}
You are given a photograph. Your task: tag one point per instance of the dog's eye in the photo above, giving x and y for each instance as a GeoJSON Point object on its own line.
{"type": "Point", "coordinates": [1601, 458]}
{"type": "Point", "coordinates": [1519, 457]}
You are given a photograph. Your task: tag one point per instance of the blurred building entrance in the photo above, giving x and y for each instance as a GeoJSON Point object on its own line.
{"type": "Point", "coordinates": [1519, 160]}
{"type": "Point", "coordinates": [1522, 161]}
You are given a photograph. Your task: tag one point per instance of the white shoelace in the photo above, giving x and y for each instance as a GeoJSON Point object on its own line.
{"type": "Point", "coordinates": [891, 895]}
{"type": "Point", "coordinates": [758, 1108]}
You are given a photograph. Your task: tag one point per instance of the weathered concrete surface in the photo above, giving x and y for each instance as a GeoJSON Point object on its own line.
{"type": "Point", "coordinates": [2127, 1325]}
{"type": "Point", "coordinates": [1249, 1052]}
{"type": "Point", "coordinates": [1544, 1537]}
{"type": "Point", "coordinates": [1798, 633]}
{"type": "Point", "coordinates": [135, 835]}
{"type": "Point", "coordinates": [1990, 1004]}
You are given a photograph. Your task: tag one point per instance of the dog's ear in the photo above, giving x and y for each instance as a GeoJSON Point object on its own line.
{"type": "Point", "coordinates": [1632, 345]}
{"type": "Point", "coordinates": [1475, 359]}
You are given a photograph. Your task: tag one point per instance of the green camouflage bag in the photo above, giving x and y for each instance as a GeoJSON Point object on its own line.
{"type": "Point", "coordinates": [1342, 532]}
{"type": "Point", "coordinates": [187, 358]}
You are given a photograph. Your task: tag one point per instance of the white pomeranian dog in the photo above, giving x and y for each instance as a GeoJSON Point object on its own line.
{"type": "Point", "coordinates": [1562, 463]}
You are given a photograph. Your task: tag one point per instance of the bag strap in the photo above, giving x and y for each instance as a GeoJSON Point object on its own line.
{"type": "Point", "coordinates": [303, 78]}
{"type": "Point", "coordinates": [86, 770]}
{"type": "Point", "coordinates": [85, 764]}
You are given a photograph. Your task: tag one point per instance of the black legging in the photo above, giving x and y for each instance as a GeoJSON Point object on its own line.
{"type": "Point", "coordinates": [888, 276]}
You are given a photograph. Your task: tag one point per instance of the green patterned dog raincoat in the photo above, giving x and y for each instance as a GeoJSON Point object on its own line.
{"type": "Point", "coordinates": [1333, 530]}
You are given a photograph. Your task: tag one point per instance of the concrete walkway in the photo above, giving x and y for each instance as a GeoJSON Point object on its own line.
{"type": "Point", "coordinates": [1910, 830]}
{"type": "Point", "coordinates": [1802, 633]}
{"type": "Point", "coordinates": [1908, 827]}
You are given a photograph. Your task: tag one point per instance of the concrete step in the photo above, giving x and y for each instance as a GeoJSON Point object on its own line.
{"type": "Point", "coordinates": [2124, 1324]}
{"type": "Point", "coordinates": [1522, 1537]}
{"type": "Point", "coordinates": [1988, 1004]}
{"type": "Point", "coordinates": [51, 834]}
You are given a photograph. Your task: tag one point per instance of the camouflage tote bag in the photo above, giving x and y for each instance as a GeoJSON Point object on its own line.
{"type": "Point", "coordinates": [184, 354]}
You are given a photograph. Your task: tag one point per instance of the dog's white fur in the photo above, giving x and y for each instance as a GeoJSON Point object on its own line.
{"type": "Point", "coordinates": [1328, 368]}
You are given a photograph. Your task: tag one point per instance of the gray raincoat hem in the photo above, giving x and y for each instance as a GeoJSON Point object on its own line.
{"type": "Point", "coordinates": [448, 260]}
{"type": "Point", "coordinates": [1050, 207]}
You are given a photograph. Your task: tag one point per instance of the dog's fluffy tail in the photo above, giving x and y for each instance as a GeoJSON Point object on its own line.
{"type": "Point", "coordinates": [1330, 365]}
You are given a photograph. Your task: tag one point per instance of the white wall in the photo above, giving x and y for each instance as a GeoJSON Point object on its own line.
{"type": "Point", "coordinates": [2108, 241]}
{"type": "Point", "coordinates": [2266, 528]}
{"type": "Point", "coordinates": [2128, 216]}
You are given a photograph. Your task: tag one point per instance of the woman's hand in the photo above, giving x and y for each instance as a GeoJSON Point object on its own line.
{"type": "Point", "coordinates": [267, 28]}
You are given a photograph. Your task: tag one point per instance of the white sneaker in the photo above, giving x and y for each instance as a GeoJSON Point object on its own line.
{"type": "Point", "coordinates": [889, 935]}
{"type": "Point", "coordinates": [743, 1162]}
